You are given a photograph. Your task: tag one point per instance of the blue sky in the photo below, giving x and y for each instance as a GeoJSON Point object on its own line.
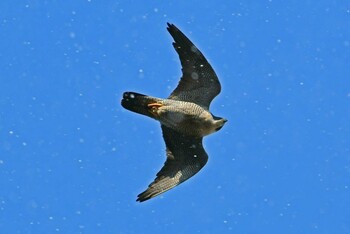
{"type": "Point", "coordinates": [72, 160]}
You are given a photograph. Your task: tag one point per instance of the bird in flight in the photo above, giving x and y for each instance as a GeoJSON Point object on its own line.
{"type": "Point", "coordinates": [184, 116]}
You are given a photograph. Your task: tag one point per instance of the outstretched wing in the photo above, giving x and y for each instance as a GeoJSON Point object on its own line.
{"type": "Point", "coordinates": [185, 157]}
{"type": "Point", "coordinates": [199, 83]}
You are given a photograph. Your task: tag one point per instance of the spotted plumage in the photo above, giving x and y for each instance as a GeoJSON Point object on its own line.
{"type": "Point", "coordinates": [184, 116]}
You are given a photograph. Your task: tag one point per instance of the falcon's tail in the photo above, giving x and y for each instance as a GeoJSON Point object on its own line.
{"type": "Point", "coordinates": [138, 103]}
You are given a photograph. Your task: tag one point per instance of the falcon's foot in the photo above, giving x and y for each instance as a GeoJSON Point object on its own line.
{"type": "Point", "coordinates": [153, 108]}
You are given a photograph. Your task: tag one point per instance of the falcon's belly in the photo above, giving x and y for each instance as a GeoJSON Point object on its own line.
{"type": "Point", "coordinates": [188, 118]}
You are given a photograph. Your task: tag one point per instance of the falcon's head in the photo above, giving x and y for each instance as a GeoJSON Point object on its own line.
{"type": "Point", "coordinates": [219, 122]}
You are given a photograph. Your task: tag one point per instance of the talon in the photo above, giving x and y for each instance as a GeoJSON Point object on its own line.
{"type": "Point", "coordinates": [155, 105]}
{"type": "Point", "coordinates": [154, 108]}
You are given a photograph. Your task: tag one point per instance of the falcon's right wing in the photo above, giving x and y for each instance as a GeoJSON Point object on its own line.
{"type": "Point", "coordinates": [199, 83]}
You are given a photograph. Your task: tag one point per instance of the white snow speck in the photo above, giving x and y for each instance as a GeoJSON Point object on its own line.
{"type": "Point", "coordinates": [194, 75]}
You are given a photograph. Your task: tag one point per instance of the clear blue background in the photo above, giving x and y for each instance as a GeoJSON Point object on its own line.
{"type": "Point", "coordinates": [73, 161]}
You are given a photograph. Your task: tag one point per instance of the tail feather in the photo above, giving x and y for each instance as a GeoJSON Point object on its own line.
{"type": "Point", "coordinates": [138, 103]}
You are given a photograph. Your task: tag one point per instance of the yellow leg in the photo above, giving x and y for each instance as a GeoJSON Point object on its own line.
{"type": "Point", "coordinates": [154, 108]}
{"type": "Point", "coordinates": [156, 105]}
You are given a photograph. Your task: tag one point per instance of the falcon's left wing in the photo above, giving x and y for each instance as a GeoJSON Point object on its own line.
{"type": "Point", "coordinates": [185, 157]}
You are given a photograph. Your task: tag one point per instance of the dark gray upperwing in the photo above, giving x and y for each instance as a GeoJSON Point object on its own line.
{"type": "Point", "coordinates": [185, 157]}
{"type": "Point", "coordinates": [199, 83]}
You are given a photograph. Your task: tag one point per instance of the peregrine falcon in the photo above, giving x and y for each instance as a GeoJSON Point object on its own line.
{"type": "Point", "coordinates": [184, 116]}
